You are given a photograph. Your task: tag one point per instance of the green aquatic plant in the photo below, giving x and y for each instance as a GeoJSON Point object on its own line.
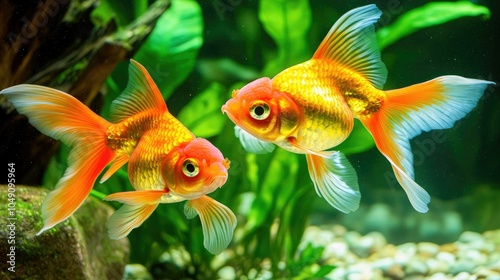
{"type": "Point", "coordinates": [271, 194]}
{"type": "Point", "coordinates": [287, 22]}
{"type": "Point", "coordinates": [428, 15]}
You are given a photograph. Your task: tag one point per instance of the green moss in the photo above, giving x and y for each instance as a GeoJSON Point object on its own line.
{"type": "Point", "coordinates": [77, 247]}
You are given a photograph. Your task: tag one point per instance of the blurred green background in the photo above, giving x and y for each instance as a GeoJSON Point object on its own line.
{"type": "Point", "coordinates": [200, 51]}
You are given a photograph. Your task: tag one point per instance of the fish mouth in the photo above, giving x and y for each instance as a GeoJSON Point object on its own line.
{"type": "Point", "coordinates": [230, 108]}
{"type": "Point", "coordinates": [218, 179]}
{"type": "Point", "coordinates": [216, 182]}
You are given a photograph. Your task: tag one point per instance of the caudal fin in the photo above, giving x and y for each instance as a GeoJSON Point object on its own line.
{"type": "Point", "coordinates": [436, 104]}
{"type": "Point", "coordinates": [63, 117]}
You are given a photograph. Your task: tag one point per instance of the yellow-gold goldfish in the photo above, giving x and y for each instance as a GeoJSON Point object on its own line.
{"type": "Point", "coordinates": [166, 162]}
{"type": "Point", "coordinates": [310, 108]}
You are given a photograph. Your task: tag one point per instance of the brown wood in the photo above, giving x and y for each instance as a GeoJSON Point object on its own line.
{"type": "Point", "coordinates": [41, 41]}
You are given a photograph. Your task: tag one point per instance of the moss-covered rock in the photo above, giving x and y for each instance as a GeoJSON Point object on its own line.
{"type": "Point", "coordinates": [78, 248]}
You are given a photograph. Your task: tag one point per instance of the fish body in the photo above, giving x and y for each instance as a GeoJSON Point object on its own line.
{"type": "Point", "coordinates": [310, 108]}
{"type": "Point", "coordinates": [330, 96]}
{"type": "Point", "coordinates": [166, 162]}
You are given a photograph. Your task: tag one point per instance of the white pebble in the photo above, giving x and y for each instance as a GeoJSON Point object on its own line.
{"type": "Point", "coordinates": [384, 264]}
{"type": "Point", "coordinates": [446, 257]}
{"type": "Point", "coordinates": [474, 256]}
{"type": "Point", "coordinates": [470, 237]}
{"type": "Point", "coordinates": [363, 247]}
{"type": "Point", "coordinates": [437, 266]}
{"type": "Point", "coordinates": [462, 276]}
{"type": "Point", "coordinates": [485, 273]}
{"type": "Point", "coordinates": [337, 273]}
{"type": "Point", "coordinates": [462, 266]}
{"type": "Point", "coordinates": [227, 273]}
{"type": "Point", "coordinates": [495, 264]}
{"type": "Point", "coordinates": [405, 252]}
{"type": "Point", "coordinates": [350, 258]}
{"type": "Point", "coordinates": [416, 266]}
{"type": "Point", "coordinates": [352, 238]}
{"type": "Point", "coordinates": [438, 276]}
{"type": "Point", "coordinates": [427, 248]}
{"type": "Point", "coordinates": [336, 249]}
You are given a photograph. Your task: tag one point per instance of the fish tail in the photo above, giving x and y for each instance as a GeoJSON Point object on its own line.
{"type": "Point", "coordinates": [63, 117]}
{"type": "Point", "coordinates": [406, 112]}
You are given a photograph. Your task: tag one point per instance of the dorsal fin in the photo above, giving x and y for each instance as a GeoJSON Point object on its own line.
{"type": "Point", "coordinates": [352, 42]}
{"type": "Point", "coordinates": [141, 94]}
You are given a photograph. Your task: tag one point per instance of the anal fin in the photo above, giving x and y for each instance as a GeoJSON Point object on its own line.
{"type": "Point", "coordinates": [335, 180]}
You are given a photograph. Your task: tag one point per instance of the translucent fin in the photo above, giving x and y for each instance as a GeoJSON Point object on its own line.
{"type": "Point", "coordinates": [335, 180]}
{"type": "Point", "coordinates": [63, 117]}
{"type": "Point", "coordinates": [352, 42]}
{"type": "Point", "coordinates": [217, 221]}
{"type": "Point", "coordinates": [251, 144]}
{"type": "Point", "coordinates": [55, 113]}
{"type": "Point", "coordinates": [128, 217]}
{"type": "Point", "coordinates": [85, 164]}
{"type": "Point", "coordinates": [118, 162]}
{"type": "Point", "coordinates": [436, 104]}
{"type": "Point", "coordinates": [140, 95]}
{"type": "Point", "coordinates": [139, 205]}
{"type": "Point", "coordinates": [137, 197]}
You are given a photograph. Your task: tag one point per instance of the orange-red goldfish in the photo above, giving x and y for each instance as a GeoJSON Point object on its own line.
{"type": "Point", "coordinates": [310, 108]}
{"type": "Point", "coordinates": [166, 162]}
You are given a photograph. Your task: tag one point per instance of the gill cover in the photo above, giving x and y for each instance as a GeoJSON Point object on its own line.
{"type": "Point", "coordinates": [265, 114]}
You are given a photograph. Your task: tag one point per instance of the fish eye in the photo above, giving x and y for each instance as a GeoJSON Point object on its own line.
{"type": "Point", "coordinates": [260, 110]}
{"type": "Point", "coordinates": [190, 167]}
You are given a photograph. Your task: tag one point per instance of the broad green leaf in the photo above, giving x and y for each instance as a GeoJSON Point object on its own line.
{"type": "Point", "coordinates": [434, 13]}
{"type": "Point", "coordinates": [359, 140]}
{"type": "Point", "coordinates": [202, 114]}
{"type": "Point", "coordinates": [170, 51]}
{"type": "Point", "coordinates": [123, 11]}
{"type": "Point", "coordinates": [287, 22]}
{"type": "Point", "coordinates": [168, 54]}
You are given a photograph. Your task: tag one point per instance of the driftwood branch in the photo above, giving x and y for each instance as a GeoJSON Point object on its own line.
{"type": "Point", "coordinates": [54, 43]}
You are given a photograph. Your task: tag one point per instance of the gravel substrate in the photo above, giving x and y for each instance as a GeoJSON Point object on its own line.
{"type": "Point", "coordinates": [472, 256]}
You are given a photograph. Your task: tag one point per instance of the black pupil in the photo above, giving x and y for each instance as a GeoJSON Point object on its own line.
{"type": "Point", "coordinates": [259, 110]}
{"type": "Point", "coordinates": [190, 167]}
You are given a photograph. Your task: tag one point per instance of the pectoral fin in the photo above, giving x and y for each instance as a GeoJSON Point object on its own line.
{"type": "Point", "coordinates": [139, 205]}
{"type": "Point", "coordinates": [251, 144]}
{"type": "Point", "coordinates": [217, 221]}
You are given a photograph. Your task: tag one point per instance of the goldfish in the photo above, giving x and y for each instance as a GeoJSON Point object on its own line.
{"type": "Point", "coordinates": [166, 162]}
{"type": "Point", "coordinates": [309, 108]}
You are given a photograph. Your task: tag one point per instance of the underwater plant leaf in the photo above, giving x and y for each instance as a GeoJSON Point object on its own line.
{"type": "Point", "coordinates": [287, 22]}
{"type": "Point", "coordinates": [123, 11]}
{"type": "Point", "coordinates": [428, 15]}
{"type": "Point", "coordinates": [202, 114]}
{"type": "Point", "coordinates": [170, 51]}
{"type": "Point", "coordinates": [360, 140]}
{"type": "Point", "coordinates": [323, 271]}
{"type": "Point", "coordinates": [98, 194]}
{"type": "Point", "coordinates": [272, 214]}
{"type": "Point", "coordinates": [225, 71]}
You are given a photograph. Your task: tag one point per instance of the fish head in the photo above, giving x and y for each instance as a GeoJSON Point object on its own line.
{"type": "Point", "coordinates": [195, 169]}
{"type": "Point", "coordinates": [264, 112]}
